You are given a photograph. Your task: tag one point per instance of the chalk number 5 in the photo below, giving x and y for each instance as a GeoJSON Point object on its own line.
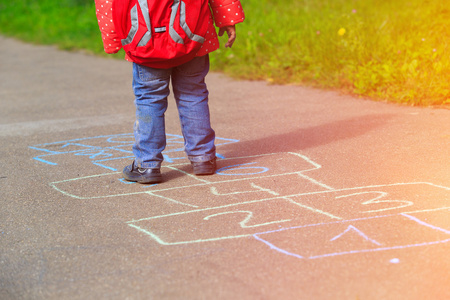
{"type": "Point", "coordinates": [379, 198]}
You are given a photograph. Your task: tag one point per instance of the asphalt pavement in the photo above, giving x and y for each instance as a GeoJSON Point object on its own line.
{"type": "Point", "coordinates": [318, 195]}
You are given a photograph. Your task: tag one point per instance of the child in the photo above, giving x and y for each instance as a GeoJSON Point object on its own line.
{"type": "Point", "coordinates": [151, 89]}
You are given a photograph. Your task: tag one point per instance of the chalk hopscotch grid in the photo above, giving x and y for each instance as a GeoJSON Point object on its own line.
{"type": "Point", "coordinates": [203, 182]}
{"type": "Point", "coordinates": [258, 237]}
{"type": "Point", "coordinates": [133, 223]}
{"type": "Point", "coordinates": [115, 151]}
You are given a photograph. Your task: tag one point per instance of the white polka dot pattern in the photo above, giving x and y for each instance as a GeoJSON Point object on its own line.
{"type": "Point", "coordinates": [111, 43]}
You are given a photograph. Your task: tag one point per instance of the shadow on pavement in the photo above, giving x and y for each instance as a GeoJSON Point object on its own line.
{"type": "Point", "coordinates": [304, 138]}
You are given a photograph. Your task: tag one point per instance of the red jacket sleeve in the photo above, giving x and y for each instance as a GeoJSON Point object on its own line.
{"type": "Point", "coordinates": [227, 12]}
{"type": "Point", "coordinates": [111, 42]}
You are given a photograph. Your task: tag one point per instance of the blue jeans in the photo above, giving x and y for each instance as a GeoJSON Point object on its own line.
{"type": "Point", "coordinates": [151, 89]}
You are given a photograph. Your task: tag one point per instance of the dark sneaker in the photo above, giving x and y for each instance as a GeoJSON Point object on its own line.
{"type": "Point", "coordinates": [204, 168]}
{"type": "Point", "coordinates": [142, 175]}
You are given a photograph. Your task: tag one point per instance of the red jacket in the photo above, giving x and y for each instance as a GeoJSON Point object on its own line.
{"type": "Point", "coordinates": [224, 13]}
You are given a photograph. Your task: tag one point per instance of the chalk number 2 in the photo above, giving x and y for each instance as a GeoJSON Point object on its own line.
{"type": "Point", "coordinates": [244, 223]}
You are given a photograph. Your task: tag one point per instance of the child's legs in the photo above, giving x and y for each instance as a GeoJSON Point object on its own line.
{"type": "Point", "coordinates": [191, 95]}
{"type": "Point", "coordinates": [151, 88]}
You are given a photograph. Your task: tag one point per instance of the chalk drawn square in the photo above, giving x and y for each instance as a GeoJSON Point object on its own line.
{"type": "Point", "coordinates": [378, 200]}
{"type": "Point", "coordinates": [227, 222]}
{"type": "Point", "coordinates": [354, 236]}
{"type": "Point", "coordinates": [111, 185]}
{"type": "Point", "coordinates": [261, 179]}
{"type": "Point", "coordinates": [214, 194]}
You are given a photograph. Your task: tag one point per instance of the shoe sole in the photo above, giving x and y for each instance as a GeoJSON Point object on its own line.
{"type": "Point", "coordinates": [142, 179]}
{"type": "Point", "coordinates": [204, 171]}
{"type": "Point", "coordinates": [145, 180]}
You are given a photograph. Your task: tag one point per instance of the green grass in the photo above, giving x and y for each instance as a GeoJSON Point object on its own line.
{"type": "Point", "coordinates": [69, 24]}
{"type": "Point", "coordinates": [395, 51]}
